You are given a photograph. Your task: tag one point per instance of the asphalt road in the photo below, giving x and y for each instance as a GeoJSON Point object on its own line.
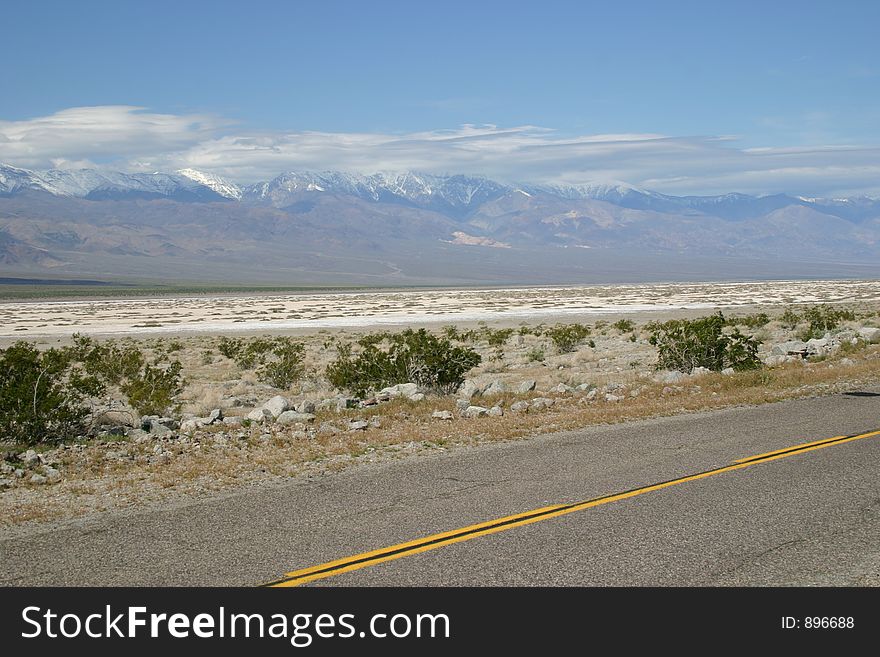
{"type": "Point", "coordinates": [809, 518]}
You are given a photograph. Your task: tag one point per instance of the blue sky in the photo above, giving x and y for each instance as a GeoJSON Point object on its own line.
{"type": "Point", "coordinates": [250, 89]}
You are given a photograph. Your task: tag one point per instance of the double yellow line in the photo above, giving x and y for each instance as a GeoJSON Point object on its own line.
{"type": "Point", "coordinates": [435, 541]}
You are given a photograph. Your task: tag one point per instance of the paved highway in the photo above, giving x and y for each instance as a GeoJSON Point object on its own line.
{"type": "Point", "coordinates": [574, 508]}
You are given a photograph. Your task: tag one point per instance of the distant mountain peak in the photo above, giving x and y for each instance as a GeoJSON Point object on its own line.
{"type": "Point", "coordinates": [220, 185]}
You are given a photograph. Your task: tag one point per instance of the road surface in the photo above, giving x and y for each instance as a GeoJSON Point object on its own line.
{"type": "Point", "coordinates": [575, 508]}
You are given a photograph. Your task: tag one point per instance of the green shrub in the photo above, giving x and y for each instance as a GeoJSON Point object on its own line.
{"type": "Point", "coordinates": [753, 321]}
{"type": "Point", "coordinates": [278, 361]}
{"type": "Point", "coordinates": [287, 366]}
{"type": "Point", "coordinates": [535, 355]}
{"type": "Point", "coordinates": [684, 344]}
{"type": "Point", "coordinates": [624, 325]}
{"type": "Point", "coordinates": [409, 356]}
{"type": "Point", "coordinates": [41, 396]}
{"type": "Point", "coordinates": [789, 319]}
{"type": "Point", "coordinates": [823, 319]}
{"type": "Point", "coordinates": [567, 337]}
{"type": "Point", "coordinates": [150, 388]}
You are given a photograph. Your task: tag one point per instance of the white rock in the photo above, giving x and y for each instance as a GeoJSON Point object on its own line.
{"type": "Point", "coordinates": [277, 405]}
{"type": "Point", "coordinates": [728, 371]}
{"type": "Point", "coordinates": [292, 417]}
{"type": "Point", "coordinates": [870, 334]}
{"type": "Point", "coordinates": [400, 390]}
{"type": "Point", "coordinates": [672, 377]}
{"type": "Point", "coordinates": [496, 411]}
{"type": "Point", "coordinates": [305, 406]}
{"type": "Point", "coordinates": [232, 421]}
{"type": "Point", "coordinates": [38, 479]}
{"type": "Point", "coordinates": [612, 398]}
{"type": "Point", "coordinates": [469, 389]}
{"type": "Point", "coordinates": [700, 371]}
{"type": "Point", "coordinates": [417, 397]}
{"type": "Point", "coordinates": [215, 416]}
{"type": "Point", "coordinates": [562, 389]}
{"type": "Point", "coordinates": [442, 415]}
{"type": "Point", "coordinates": [475, 411]}
{"type": "Point", "coordinates": [260, 415]}
{"type": "Point", "coordinates": [462, 404]}
{"type": "Point", "coordinates": [792, 347]}
{"type": "Point", "coordinates": [358, 425]}
{"type": "Point", "coordinates": [526, 386]}
{"type": "Point", "coordinates": [497, 387]}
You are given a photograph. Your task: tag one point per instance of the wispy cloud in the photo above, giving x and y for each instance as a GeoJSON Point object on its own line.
{"type": "Point", "coordinates": [134, 139]}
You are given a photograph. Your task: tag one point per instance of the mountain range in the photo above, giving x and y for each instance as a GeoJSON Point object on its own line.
{"type": "Point", "coordinates": [415, 228]}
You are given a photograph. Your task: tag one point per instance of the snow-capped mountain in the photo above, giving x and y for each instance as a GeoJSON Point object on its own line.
{"type": "Point", "coordinates": [443, 193]}
{"type": "Point", "coordinates": [99, 185]}
{"type": "Point", "coordinates": [455, 196]}
{"type": "Point", "coordinates": [220, 185]}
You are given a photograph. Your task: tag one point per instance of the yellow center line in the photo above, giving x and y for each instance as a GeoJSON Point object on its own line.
{"type": "Point", "coordinates": [435, 541]}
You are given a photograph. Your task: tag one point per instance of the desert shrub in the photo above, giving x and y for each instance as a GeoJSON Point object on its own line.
{"type": "Point", "coordinates": [789, 319]}
{"type": "Point", "coordinates": [150, 388]}
{"type": "Point", "coordinates": [278, 361]}
{"type": "Point", "coordinates": [567, 337]}
{"type": "Point", "coordinates": [41, 396]}
{"type": "Point", "coordinates": [684, 344]}
{"type": "Point", "coordinates": [624, 325]}
{"type": "Point", "coordinates": [536, 355]}
{"type": "Point", "coordinates": [410, 356]}
{"type": "Point", "coordinates": [753, 321]}
{"type": "Point", "coordinates": [822, 319]}
{"type": "Point", "coordinates": [287, 366]}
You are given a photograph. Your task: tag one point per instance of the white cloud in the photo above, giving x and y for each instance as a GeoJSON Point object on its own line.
{"type": "Point", "coordinates": [133, 139]}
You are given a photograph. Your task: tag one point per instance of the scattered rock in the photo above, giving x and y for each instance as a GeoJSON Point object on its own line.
{"type": "Point", "coordinates": [51, 473]}
{"type": "Point", "coordinates": [188, 426]}
{"type": "Point", "coordinates": [670, 377]}
{"type": "Point", "coordinates": [305, 406]}
{"type": "Point", "coordinates": [358, 425]}
{"type": "Point", "coordinates": [462, 404]}
{"type": "Point", "coordinates": [29, 458]}
{"type": "Point", "coordinates": [160, 430]}
{"type": "Point", "coordinates": [540, 403]}
{"type": "Point", "coordinates": [261, 415]}
{"type": "Point", "coordinates": [562, 389]}
{"type": "Point", "coordinates": [728, 371]}
{"type": "Point", "coordinates": [519, 406]}
{"type": "Point", "coordinates": [5, 482]}
{"type": "Point", "coordinates": [790, 348]}
{"type": "Point", "coordinates": [612, 398]}
{"type": "Point", "coordinates": [847, 362]}
{"type": "Point", "coordinates": [215, 416]}
{"type": "Point", "coordinates": [496, 387]}
{"type": "Point", "coordinates": [469, 389]}
{"type": "Point", "coordinates": [277, 405]}
{"type": "Point", "coordinates": [417, 397]}
{"type": "Point", "coordinates": [592, 394]}
{"type": "Point", "coordinates": [376, 422]}
{"type": "Point", "coordinates": [526, 386]}
{"type": "Point", "coordinates": [700, 371]}
{"type": "Point", "coordinates": [496, 411]}
{"type": "Point", "coordinates": [292, 417]}
{"type": "Point", "coordinates": [584, 387]}
{"type": "Point", "coordinates": [400, 390]}
{"type": "Point", "coordinates": [870, 334]}
{"type": "Point", "coordinates": [38, 479]}
{"type": "Point", "coordinates": [475, 411]}
{"type": "Point", "coordinates": [442, 415]}
{"type": "Point", "coordinates": [232, 421]}
{"type": "Point", "coordinates": [344, 403]}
